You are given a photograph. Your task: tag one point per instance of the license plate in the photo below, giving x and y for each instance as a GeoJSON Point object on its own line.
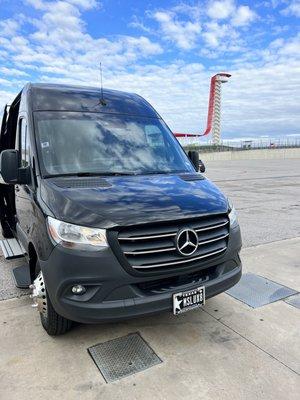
{"type": "Point", "coordinates": [189, 300]}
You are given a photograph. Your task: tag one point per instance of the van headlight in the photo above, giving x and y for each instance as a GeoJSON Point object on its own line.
{"type": "Point", "coordinates": [232, 215]}
{"type": "Point", "coordinates": [75, 236]}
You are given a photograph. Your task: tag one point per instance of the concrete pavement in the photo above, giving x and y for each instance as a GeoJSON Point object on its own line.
{"type": "Point", "coordinates": [266, 195]}
{"type": "Point", "coordinates": [227, 350]}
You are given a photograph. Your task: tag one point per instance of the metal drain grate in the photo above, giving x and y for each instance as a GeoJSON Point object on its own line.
{"type": "Point", "coordinates": [123, 356]}
{"type": "Point", "coordinates": [294, 300]}
{"type": "Point", "coordinates": [257, 291]}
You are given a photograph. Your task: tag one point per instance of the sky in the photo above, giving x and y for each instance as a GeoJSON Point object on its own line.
{"type": "Point", "coordinates": [166, 51]}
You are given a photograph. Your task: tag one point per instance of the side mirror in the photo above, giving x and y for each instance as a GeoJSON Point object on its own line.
{"type": "Point", "coordinates": [10, 170]}
{"type": "Point", "coordinates": [194, 157]}
{"type": "Point", "coordinates": [201, 166]}
{"type": "Point", "coordinates": [9, 166]}
{"type": "Point", "coordinates": [198, 164]}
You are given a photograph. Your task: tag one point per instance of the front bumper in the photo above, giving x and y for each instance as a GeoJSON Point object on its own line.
{"type": "Point", "coordinates": [114, 294]}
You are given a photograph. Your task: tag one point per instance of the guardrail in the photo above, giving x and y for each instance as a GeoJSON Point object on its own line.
{"type": "Point", "coordinates": [254, 154]}
{"type": "Point", "coordinates": [242, 145]}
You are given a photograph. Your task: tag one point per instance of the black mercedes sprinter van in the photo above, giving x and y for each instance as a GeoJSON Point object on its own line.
{"type": "Point", "coordinates": [114, 218]}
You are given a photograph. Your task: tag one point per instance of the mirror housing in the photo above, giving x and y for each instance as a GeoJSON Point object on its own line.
{"type": "Point", "coordinates": [10, 169]}
{"type": "Point", "coordinates": [201, 166]}
{"type": "Point", "coordinates": [9, 166]}
{"type": "Point", "coordinates": [198, 164]}
{"type": "Point", "coordinates": [194, 157]}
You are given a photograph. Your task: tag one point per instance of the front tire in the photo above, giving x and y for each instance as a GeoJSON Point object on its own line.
{"type": "Point", "coordinates": [53, 323]}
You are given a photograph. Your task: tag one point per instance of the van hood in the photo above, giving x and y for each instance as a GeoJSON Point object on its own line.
{"type": "Point", "coordinates": [129, 200]}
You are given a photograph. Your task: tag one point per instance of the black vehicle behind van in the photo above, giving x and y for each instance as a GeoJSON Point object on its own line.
{"type": "Point", "coordinates": [114, 217]}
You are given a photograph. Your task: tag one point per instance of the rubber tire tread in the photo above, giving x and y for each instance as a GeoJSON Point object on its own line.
{"type": "Point", "coordinates": [54, 324]}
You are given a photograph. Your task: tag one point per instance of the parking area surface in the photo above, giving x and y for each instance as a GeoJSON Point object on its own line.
{"type": "Point", "coordinates": [266, 194]}
{"type": "Point", "coordinates": [227, 350]}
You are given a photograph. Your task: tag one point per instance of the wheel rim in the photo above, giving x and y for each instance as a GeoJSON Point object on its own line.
{"type": "Point", "coordinates": [38, 295]}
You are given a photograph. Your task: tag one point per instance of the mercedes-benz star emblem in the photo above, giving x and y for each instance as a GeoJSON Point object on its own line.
{"type": "Point", "coordinates": [187, 242]}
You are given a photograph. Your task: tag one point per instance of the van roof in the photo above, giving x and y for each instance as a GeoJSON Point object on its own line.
{"type": "Point", "coordinates": [54, 97]}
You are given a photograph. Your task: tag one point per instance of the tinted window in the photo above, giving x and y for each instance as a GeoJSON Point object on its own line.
{"type": "Point", "coordinates": [103, 143]}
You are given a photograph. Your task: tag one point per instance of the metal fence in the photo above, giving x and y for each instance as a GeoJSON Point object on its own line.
{"type": "Point", "coordinates": [241, 145]}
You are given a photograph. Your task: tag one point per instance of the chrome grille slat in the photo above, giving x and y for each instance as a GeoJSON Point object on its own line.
{"type": "Point", "coordinates": [214, 240]}
{"type": "Point", "coordinates": [173, 256]}
{"type": "Point", "coordinates": [171, 233]}
{"type": "Point", "coordinates": [181, 261]}
{"type": "Point", "coordinates": [149, 251]}
{"type": "Point", "coordinates": [172, 248]}
{"type": "Point", "coordinates": [154, 246]}
{"type": "Point", "coordinates": [211, 227]}
{"type": "Point", "coordinates": [148, 237]}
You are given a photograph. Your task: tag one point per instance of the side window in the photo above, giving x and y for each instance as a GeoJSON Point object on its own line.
{"type": "Point", "coordinates": [24, 145]}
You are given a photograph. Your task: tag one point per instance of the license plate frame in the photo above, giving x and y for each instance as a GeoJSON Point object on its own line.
{"type": "Point", "coordinates": [188, 300]}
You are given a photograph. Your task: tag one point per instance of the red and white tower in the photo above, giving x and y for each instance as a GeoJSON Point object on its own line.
{"type": "Point", "coordinates": [216, 120]}
{"type": "Point", "coordinates": [214, 109]}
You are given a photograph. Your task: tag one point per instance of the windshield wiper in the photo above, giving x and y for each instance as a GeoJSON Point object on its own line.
{"type": "Point", "coordinates": [107, 173]}
{"type": "Point", "coordinates": [113, 173]}
{"type": "Point", "coordinates": [162, 172]}
{"type": "Point", "coordinates": [83, 174]}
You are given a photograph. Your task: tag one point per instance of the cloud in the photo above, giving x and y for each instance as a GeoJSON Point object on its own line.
{"type": "Point", "coordinates": [292, 9]}
{"type": "Point", "coordinates": [215, 35]}
{"type": "Point", "coordinates": [262, 96]}
{"type": "Point", "coordinates": [224, 9]}
{"type": "Point", "coordinates": [83, 4]}
{"type": "Point", "coordinates": [218, 28]}
{"type": "Point", "coordinates": [6, 97]}
{"type": "Point", "coordinates": [8, 27]}
{"type": "Point", "coordinates": [59, 39]}
{"type": "Point", "coordinates": [243, 16]}
{"type": "Point", "coordinates": [220, 9]}
{"type": "Point", "coordinates": [256, 100]}
{"type": "Point", "coordinates": [289, 48]}
{"type": "Point", "coordinates": [12, 72]}
{"type": "Point", "coordinates": [138, 24]}
{"type": "Point", "coordinates": [183, 33]}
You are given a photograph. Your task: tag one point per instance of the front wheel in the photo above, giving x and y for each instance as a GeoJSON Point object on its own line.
{"type": "Point", "coordinates": [53, 323]}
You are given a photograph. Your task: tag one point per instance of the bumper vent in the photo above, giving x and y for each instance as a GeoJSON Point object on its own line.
{"type": "Point", "coordinates": [154, 246]}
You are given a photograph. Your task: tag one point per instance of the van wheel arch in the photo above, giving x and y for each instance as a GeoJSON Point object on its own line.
{"type": "Point", "coordinates": [53, 323]}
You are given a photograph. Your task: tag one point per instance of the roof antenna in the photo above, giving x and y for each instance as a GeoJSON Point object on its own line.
{"type": "Point", "coordinates": [102, 101]}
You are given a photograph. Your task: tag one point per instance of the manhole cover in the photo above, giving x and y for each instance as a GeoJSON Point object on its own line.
{"type": "Point", "coordinates": [257, 291]}
{"type": "Point", "coordinates": [123, 356]}
{"type": "Point", "coordinates": [294, 300]}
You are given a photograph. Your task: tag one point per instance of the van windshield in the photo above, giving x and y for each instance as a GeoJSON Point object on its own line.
{"type": "Point", "coordinates": [72, 143]}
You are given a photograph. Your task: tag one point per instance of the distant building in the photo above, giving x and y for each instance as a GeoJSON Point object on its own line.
{"type": "Point", "coordinates": [247, 144]}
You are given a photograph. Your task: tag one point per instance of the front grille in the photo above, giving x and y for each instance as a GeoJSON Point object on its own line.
{"type": "Point", "coordinates": [175, 282]}
{"type": "Point", "coordinates": [154, 246]}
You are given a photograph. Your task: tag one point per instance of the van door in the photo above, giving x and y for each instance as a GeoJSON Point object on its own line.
{"type": "Point", "coordinates": [7, 192]}
{"type": "Point", "coordinates": [23, 193]}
